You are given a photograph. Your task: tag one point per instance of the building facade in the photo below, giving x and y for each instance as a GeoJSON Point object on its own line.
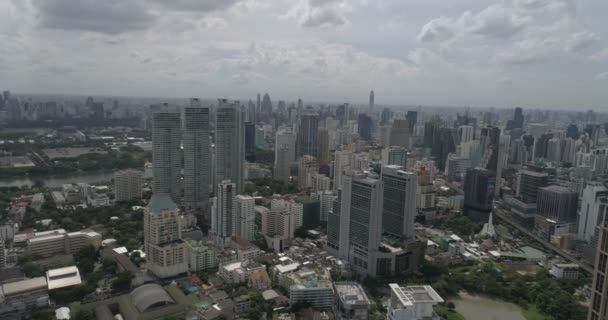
{"type": "Point", "coordinates": [166, 153]}
{"type": "Point", "coordinates": [166, 252]}
{"type": "Point", "coordinates": [127, 185]}
{"type": "Point", "coordinates": [197, 156]}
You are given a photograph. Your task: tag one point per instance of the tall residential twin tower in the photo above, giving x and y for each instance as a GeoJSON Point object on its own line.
{"type": "Point", "coordinates": [197, 154]}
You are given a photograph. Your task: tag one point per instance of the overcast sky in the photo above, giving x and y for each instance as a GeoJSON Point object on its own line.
{"type": "Point", "coordinates": [530, 53]}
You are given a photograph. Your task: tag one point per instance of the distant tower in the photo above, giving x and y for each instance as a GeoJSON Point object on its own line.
{"type": "Point", "coordinates": [229, 143]}
{"type": "Point", "coordinates": [266, 104]}
{"type": "Point", "coordinates": [166, 152]}
{"type": "Point", "coordinates": [258, 106]}
{"type": "Point", "coordinates": [197, 156]}
{"type": "Point", "coordinates": [308, 127]}
{"type": "Point", "coordinates": [371, 101]}
{"type": "Point", "coordinates": [323, 146]}
{"type": "Point", "coordinates": [284, 154]}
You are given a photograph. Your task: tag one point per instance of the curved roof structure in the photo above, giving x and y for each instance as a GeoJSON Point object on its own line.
{"type": "Point", "coordinates": [150, 296]}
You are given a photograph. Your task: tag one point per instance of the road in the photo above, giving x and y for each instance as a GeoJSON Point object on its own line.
{"type": "Point", "coordinates": [500, 214]}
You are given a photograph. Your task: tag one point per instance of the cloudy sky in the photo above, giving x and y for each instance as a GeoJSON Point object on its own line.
{"type": "Point", "coordinates": [502, 53]}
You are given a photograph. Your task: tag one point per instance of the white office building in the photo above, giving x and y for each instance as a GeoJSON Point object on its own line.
{"type": "Point", "coordinates": [342, 164]}
{"type": "Point", "coordinates": [412, 303]}
{"type": "Point", "coordinates": [593, 203]}
{"type": "Point", "coordinates": [245, 213]}
{"type": "Point", "coordinates": [320, 182]}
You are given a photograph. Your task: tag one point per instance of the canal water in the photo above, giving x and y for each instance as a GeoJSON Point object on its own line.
{"type": "Point", "coordinates": [59, 180]}
{"type": "Point", "coordinates": [482, 308]}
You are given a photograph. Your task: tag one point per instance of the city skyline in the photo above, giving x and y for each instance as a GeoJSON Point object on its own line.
{"type": "Point", "coordinates": [502, 53]}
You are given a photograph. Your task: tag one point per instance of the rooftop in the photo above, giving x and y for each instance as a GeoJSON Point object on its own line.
{"type": "Point", "coordinates": [408, 296]}
{"type": "Point", "coordinates": [63, 277]}
{"type": "Point", "coordinates": [351, 293]}
{"type": "Point", "coordinates": [160, 202]}
{"type": "Point", "coordinates": [23, 286]}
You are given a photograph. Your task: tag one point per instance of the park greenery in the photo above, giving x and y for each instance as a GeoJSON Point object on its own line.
{"type": "Point", "coordinates": [267, 187]}
{"type": "Point", "coordinates": [461, 226]}
{"type": "Point", "coordinates": [128, 156]}
{"type": "Point", "coordinates": [551, 297]}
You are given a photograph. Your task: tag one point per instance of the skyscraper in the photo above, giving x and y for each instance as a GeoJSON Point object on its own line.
{"type": "Point", "coordinates": [412, 118]}
{"type": "Point", "coordinates": [555, 211]}
{"type": "Point", "coordinates": [342, 161]}
{"type": "Point", "coordinates": [323, 146]}
{"type": "Point", "coordinates": [284, 154]}
{"type": "Point", "coordinates": [371, 101]}
{"type": "Point", "coordinates": [307, 168]}
{"type": "Point", "coordinates": [224, 214]}
{"type": "Point", "coordinates": [229, 143]}
{"type": "Point", "coordinates": [250, 141]}
{"type": "Point", "coordinates": [306, 143]}
{"type": "Point", "coordinates": [442, 147]}
{"type": "Point", "coordinates": [465, 133]}
{"type": "Point", "coordinates": [365, 127]}
{"type": "Point", "coordinates": [258, 104]}
{"type": "Point", "coordinates": [400, 134]}
{"type": "Point", "coordinates": [399, 202]}
{"type": "Point", "coordinates": [518, 120]}
{"type": "Point", "coordinates": [479, 187]}
{"type": "Point", "coordinates": [165, 250]}
{"type": "Point", "coordinates": [598, 307]}
{"type": "Point", "coordinates": [530, 181]}
{"type": "Point", "coordinates": [166, 152]}
{"type": "Point", "coordinates": [488, 147]}
{"type": "Point", "coordinates": [593, 203]}
{"type": "Point", "coordinates": [361, 223]}
{"type": "Point", "coordinates": [197, 156]}
{"type": "Point", "coordinates": [266, 105]}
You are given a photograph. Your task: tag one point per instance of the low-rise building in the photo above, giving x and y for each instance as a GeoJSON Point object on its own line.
{"type": "Point", "coordinates": [566, 271]}
{"type": "Point", "coordinates": [308, 286]}
{"type": "Point", "coordinates": [201, 257]}
{"type": "Point", "coordinates": [238, 271]}
{"type": "Point", "coordinates": [351, 301]}
{"type": "Point", "coordinates": [259, 280]}
{"type": "Point", "coordinates": [412, 303]}
{"type": "Point", "coordinates": [49, 243]}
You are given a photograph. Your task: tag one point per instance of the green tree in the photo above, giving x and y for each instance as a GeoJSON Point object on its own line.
{"type": "Point", "coordinates": [122, 283]}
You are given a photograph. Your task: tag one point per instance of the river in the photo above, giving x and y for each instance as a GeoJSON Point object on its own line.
{"type": "Point", "coordinates": [58, 180]}
{"type": "Point", "coordinates": [483, 308]}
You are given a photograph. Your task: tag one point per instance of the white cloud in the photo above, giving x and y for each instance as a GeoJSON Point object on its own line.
{"type": "Point", "coordinates": [602, 76]}
{"type": "Point", "coordinates": [319, 13]}
{"type": "Point", "coordinates": [601, 55]}
{"type": "Point", "coordinates": [519, 31]}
